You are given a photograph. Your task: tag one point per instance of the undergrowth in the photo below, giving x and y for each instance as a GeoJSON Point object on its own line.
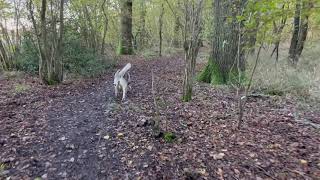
{"type": "Point", "coordinates": [78, 60]}
{"type": "Point", "coordinates": [280, 78]}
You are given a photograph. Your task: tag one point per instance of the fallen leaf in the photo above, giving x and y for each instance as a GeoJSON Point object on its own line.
{"type": "Point", "coordinates": [304, 162]}
{"type": "Point", "coordinates": [106, 137]}
{"type": "Point", "coordinates": [218, 156]}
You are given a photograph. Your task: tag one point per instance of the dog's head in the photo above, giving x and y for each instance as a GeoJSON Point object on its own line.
{"type": "Point", "coordinates": [116, 78]}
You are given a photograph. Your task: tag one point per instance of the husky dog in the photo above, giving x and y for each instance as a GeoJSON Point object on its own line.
{"type": "Point", "coordinates": [120, 82]}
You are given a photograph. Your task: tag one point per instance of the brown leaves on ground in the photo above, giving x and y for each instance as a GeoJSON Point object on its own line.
{"type": "Point", "coordinates": [80, 130]}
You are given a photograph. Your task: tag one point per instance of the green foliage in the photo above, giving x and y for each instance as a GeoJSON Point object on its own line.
{"type": "Point", "coordinates": [27, 60]}
{"type": "Point", "coordinates": [169, 137]}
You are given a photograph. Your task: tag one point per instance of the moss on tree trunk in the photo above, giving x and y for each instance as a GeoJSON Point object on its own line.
{"type": "Point", "coordinates": [212, 74]}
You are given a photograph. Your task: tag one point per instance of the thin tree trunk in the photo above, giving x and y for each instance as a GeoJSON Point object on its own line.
{"type": "Point", "coordinates": [141, 32]}
{"type": "Point", "coordinates": [105, 27]}
{"type": "Point", "coordinates": [278, 31]}
{"type": "Point", "coordinates": [59, 57]}
{"type": "Point", "coordinates": [160, 29]}
{"type": "Point", "coordinates": [91, 29]}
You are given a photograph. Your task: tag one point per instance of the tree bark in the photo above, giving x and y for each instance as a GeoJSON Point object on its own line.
{"type": "Point", "coordinates": [221, 63]}
{"type": "Point", "coordinates": [43, 71]}
{"type": "Point", "coordinates": [58, 66]}
{"type": "Point", "coordinates": [125, 45]}
{"type": "Point", "coordinates": [300, 30]}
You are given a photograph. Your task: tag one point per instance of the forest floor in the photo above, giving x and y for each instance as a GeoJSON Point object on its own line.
{"type": "Point", "coordinates": [78, 130]}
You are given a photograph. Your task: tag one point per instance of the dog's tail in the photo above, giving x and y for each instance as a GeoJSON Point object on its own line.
{"type": "Point", "coordinates": [124, 70]}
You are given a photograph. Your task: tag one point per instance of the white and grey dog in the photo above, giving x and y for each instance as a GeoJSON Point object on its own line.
{"type": "Point", "coordinates": [120, 82]}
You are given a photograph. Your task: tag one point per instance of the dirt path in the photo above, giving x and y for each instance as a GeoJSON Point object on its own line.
{"type": "Point", "coordinates": [80, 131]}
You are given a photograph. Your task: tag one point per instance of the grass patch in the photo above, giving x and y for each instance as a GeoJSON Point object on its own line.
{"type": "Point", "coordinates": [153, 52]}
{"type": "Point", "coordinates": [12, 74]}
{"type": "Point", "coordinates": [282, 79]}
{"type": "Point", "coordinates": [169, 137]}
{"type": "Point", "coordinates": [20, 88]}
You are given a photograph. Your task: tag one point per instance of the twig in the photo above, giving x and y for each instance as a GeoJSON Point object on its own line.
{"type": "Point", "coordinates": [300, 173]}
{"type": "Point", "coordinates": [265, 172]}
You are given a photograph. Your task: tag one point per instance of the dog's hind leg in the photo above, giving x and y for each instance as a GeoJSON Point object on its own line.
{"type": "Point", "coordinates": [116, 91]}
{"type": "Point", "coordinates": [124, 92]}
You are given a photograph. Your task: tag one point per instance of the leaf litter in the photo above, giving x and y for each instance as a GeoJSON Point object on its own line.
{"type": "Point", "coordinates": [78, 130]}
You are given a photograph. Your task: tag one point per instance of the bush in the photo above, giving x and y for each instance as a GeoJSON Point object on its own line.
{"type": "Point", "coordinates": [27, 60]}
{"type": "Point", "coordinates": [78, 60]}
{"type": "Point", "coordinates": [83, 61]}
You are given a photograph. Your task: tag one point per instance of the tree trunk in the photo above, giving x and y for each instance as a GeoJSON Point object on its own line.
{"type": "Point", "coordinates": [43, 43]}
{"type": "Point", "coordinates": [125, 45]}
{"type": "Point", "coordinates": [221, 64]}
{"type": "Point", "coordinates": [300, 30]}
{"type": "Point", "coordinates": [193, 28]}
{"type": "Point", "coordinates": [58, 65]}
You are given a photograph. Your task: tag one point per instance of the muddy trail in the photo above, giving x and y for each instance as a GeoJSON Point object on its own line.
{"type": "Point", "coordinates": [79, 130]}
